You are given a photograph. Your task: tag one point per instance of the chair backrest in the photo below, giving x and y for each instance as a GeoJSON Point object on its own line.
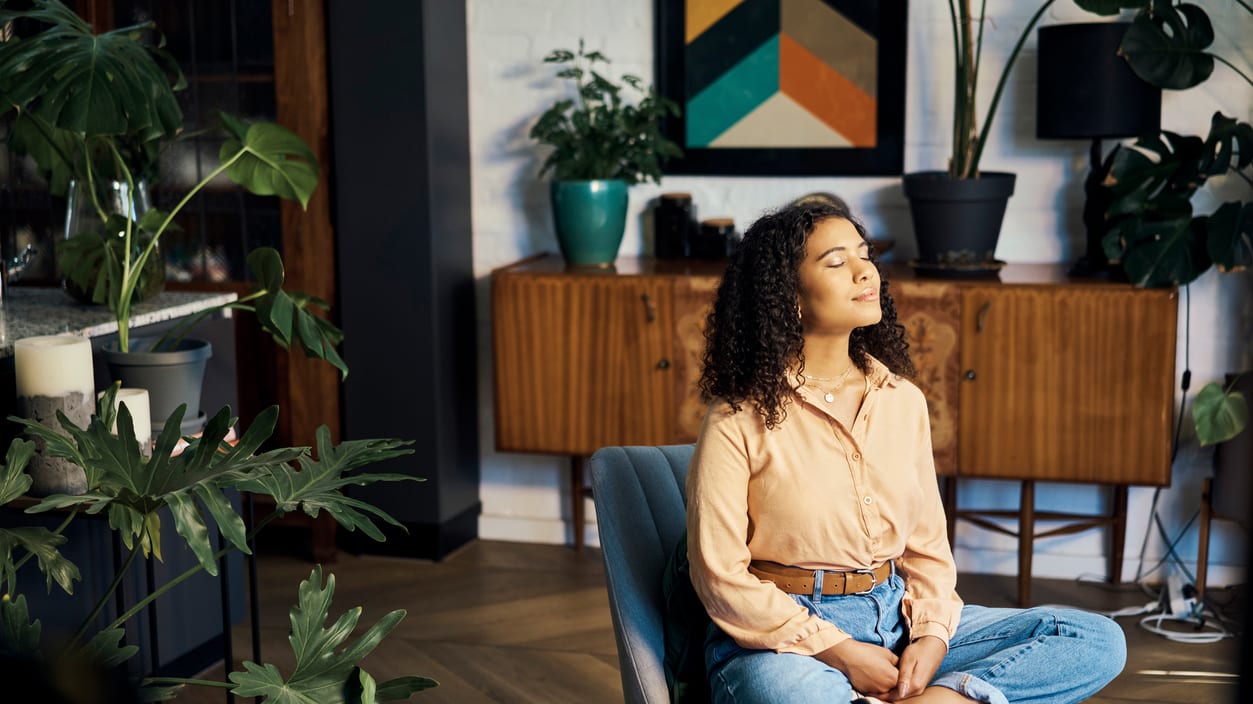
{"type": "Point", "coordinates": [640, 514]}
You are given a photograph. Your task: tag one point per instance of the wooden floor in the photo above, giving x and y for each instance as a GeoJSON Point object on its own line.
{"type": "Point", "coordinates": [512, 622]}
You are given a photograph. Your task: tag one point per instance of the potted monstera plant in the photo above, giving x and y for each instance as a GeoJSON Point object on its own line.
{"type": "Point", "coordinates": [95, 109]}
{"type": "Point", "coordinates": [1155, 234]}
{"type": "Point", "coordinates": [192, 489]}
{"type": "Point", "coordinates": [602, 143]}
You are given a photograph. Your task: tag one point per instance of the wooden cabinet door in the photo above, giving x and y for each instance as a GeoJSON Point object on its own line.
{"type": "Point", "coordinates": [693, 300]}
{"type": "Point", "coordinates": [930, 311]}
{"type": "Point", "coordinates": [1067, 383]}
{"type": "Point", "coordinates": [582, 362]}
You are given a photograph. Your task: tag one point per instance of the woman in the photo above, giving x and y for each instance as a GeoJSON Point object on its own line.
{"type": "Point", "coordinates": [816, 533]}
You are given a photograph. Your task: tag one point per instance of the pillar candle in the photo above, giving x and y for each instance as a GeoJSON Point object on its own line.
{"type": "Point", "coordinates": [54, 373]}
{"type": "Point", "coordinates": [136, 401]}
{"type": "Point", "coordinates": [54, 365]}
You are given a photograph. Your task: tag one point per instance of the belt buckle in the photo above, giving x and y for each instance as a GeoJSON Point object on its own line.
{"type": "Point", "coordinates": [874, 582]}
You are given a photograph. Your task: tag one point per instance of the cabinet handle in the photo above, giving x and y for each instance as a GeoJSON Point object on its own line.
{"type": "Point", "coordinates": [970, 375]}
{"type": "Point", "coordinates": [982, 316]}
{"type": "Point", "coordinates": [650, 309]}
{"type": "Point", "coordinates": [664, 364]}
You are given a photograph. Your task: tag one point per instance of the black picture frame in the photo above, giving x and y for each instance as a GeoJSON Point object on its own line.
{"type": "Point", "coordinates": [753, 19]}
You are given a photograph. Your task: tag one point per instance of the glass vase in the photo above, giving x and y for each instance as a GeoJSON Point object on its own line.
{"type": "Point", "coordinates": [85, 214]}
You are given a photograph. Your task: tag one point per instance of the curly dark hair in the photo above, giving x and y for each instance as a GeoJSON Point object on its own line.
{"type": "Point", "coordinates": [753, 334]}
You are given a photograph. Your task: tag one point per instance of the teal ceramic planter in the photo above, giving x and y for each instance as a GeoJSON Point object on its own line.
{"type": "Point", "coordinates": [590, 217]}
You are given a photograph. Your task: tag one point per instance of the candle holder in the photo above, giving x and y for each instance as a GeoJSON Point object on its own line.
{"type": "Point", "coordinates": [54, 373]}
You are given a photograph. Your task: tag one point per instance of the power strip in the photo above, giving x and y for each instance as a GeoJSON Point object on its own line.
{"type": "Point", "coordinates": [1181, 599]}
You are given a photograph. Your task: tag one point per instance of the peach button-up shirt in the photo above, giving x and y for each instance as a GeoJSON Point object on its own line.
{"type": "Point", "coordinates": [814, 494]}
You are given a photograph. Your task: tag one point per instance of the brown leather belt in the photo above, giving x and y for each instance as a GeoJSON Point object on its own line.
{"type": "Point", "coordinates": [795, 580]}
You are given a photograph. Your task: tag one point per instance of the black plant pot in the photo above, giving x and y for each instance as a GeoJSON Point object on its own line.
{"type": "Point", "coordinates": [957, 221]}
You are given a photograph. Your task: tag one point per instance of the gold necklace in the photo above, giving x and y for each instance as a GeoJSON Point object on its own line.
{"type": "Point", "coordinates": [828, 395]}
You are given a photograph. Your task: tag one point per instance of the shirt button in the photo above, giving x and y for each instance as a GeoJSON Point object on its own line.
{"type": "Point", "coordinates": [856, 456]}
{"type": "Point", "coordinates": [867, 500]}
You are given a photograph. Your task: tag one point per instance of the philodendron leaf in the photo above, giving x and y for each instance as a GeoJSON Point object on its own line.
{"type": "Point", "coordinates": [325, 658]}
{"type": "Point", "coordinates": [19, 636]}
{"type": "Point", "coordinates": [1219, 415]}
{"type": "Point", "coordinates": [316, 485]}
{"type": "Point", "coordinates": [400, 688]}
{"type": "Point", "coordinates": [272, 161]}
{"type": "Point", "coordinates": [14, 481]}
{"type": "Point", "coordinates": [105, 648]}
{"type": "Point", "coordinates": [133, 488]}
{"type": "Point", "coordinates": [43, 544]}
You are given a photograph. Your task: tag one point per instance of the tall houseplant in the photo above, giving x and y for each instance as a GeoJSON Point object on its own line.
{"type": "Point", "coordinates": [95, 108]}
{"type": "Point", "coordinates": [601, 144]}
{"type": "Point", "coordinates": [192, 489]}
{"type": "Point", "coordinates": [99, 107]}
{"type": "Point", "coordinates": [1156, 236]}
{"type": "Point", "coordinates": [957, 213]}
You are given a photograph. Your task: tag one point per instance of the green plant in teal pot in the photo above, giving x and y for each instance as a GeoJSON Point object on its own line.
{"type": "Point", "coordinates": [601, 143]}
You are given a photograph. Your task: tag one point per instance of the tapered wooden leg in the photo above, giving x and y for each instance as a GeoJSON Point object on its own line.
{"type": "Point", "coordinates": [1026, 541]}
{"type": "Point", "coordinates": [950, 510]}
{"type": "Point", "coordinates": [1117, 533]}
{"type": "Point", "coordinates": [1202, 540]}
{"type": "Point", "coordinates": [576, 500]}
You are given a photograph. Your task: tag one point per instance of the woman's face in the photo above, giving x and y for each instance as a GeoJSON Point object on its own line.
{"type": "Point", "coordinates": [839, 285]}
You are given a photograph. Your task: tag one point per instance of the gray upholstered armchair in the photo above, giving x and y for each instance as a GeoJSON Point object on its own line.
{"type": "Point", "coordinates": [640, 513]}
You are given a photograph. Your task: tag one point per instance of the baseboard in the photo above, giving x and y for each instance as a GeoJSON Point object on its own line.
{"type": "Point", "coordinates": [543, 531]}
{"type": "Point", "coordinates": [1063, 566]}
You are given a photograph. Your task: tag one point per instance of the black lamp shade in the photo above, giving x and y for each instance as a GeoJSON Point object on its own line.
{"type": "Point", "coordinates": [1087, 91]}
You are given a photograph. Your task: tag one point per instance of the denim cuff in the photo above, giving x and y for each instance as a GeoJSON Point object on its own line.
{"type": "Point", "coordinates": [971, 687]}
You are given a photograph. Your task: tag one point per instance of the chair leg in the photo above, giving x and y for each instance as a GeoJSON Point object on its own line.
{"type": "Point", "coordinates": [577, 492]}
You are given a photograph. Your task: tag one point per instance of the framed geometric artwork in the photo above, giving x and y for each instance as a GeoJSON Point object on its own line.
{"type": "Point", "coordinates": [784, 87]}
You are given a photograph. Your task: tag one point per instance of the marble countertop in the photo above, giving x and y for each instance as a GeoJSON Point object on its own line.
{"type": "Point", "coordinates": [31, 311]}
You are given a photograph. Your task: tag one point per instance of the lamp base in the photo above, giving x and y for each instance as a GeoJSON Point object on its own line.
{"type": "Point", "coordinates": [1088, 268]}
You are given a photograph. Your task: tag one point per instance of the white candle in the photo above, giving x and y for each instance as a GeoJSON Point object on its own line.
{"type": "Point", "coordinates": [54, 366]}
{"type": "Point", "coordinates": [136, 401]}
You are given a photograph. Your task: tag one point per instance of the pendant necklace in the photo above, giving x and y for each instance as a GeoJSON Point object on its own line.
{"type": "Point", "coordinates": [828, 394]}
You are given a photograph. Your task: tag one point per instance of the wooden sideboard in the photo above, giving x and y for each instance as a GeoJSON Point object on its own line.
{"type": "Point", "coordinates": [1032, 376]}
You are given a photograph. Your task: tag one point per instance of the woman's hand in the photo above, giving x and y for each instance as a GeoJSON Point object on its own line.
{"type": "Point", "coordinates": [870, 668]}
{"type": "Point", "coordinates": [918, 664]}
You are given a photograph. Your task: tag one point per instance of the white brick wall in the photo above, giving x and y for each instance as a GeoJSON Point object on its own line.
{"type": "Point", "coordinates": [526, 498]}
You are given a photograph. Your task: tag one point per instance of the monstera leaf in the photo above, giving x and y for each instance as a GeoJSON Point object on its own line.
{"type": "Point", "coordinates": [268, 160]}
{"type": "Point", "coordinates": [91, 85]}
{"type": "Point", "coordinates": [286, 316]}
{"type": "Point", "coordinates": [1166, 46]}
{"type": "Point", "coordinates": [326, 661]}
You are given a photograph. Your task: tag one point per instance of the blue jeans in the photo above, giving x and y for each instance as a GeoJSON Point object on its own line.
{"type": "Point", "coordinates": [1039, 655]}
